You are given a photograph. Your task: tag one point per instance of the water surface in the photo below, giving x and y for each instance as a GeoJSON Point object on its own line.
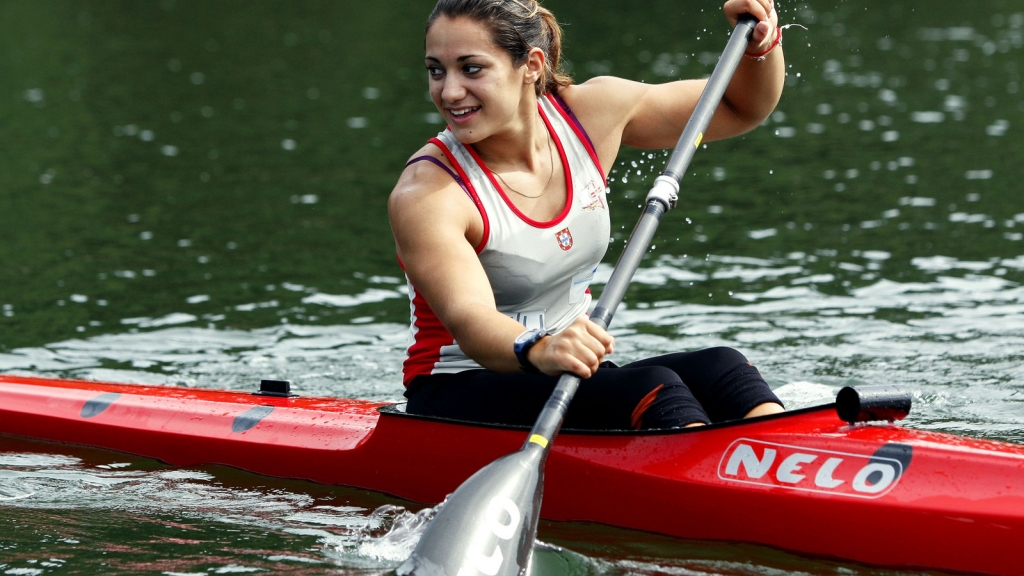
{"type": "Point", "coordinates": [195, 196]}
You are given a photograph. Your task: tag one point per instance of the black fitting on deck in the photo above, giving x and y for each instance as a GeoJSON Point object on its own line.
{"type": "Point", "coordinates": [871, 403]}
{"type": "Point", "coordinates": [277, 388]}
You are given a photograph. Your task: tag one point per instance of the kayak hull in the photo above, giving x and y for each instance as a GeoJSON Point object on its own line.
{"type": "Point", "coordinates": [803, 481]}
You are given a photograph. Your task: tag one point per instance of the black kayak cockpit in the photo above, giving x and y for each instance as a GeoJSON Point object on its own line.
{"type": "Point", "coordinates": [873, 403]}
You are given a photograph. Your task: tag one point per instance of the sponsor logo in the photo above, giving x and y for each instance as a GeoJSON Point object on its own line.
{"type": "Point", "coordinates": [580, 285]}
{"type": "Point", "coordinates": [590, 197]}
{"type": "Point", "coordinates": [564, 238]}
{"type": "Point", "coordinates": [808, 469]}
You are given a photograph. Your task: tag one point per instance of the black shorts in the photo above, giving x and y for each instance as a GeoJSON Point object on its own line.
{"type": "Point", "coordinates": [712, 385]}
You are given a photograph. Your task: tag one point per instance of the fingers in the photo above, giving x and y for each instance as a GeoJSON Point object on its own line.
{"type": "Point", "coordinates": [760, 33]}
{"type": "Point", "coordinates": [760, 9]}
{"type": "Point", "coordinates": [766, 14]}
{"type": "Point", "coordinates": [604, 339]}
{"type": "Point", "coordinates": [579, 349]}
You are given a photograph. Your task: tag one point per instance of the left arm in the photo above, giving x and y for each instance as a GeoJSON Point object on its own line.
{"type": "Point", "coordinates": [752, 94]}
{"type": "Point", "coordinates": [620, 112]}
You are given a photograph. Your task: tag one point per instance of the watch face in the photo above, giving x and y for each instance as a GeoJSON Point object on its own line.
{"type": "Point", "coordinates": [526, 337]}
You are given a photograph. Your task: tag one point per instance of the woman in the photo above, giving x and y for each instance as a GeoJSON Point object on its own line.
{"type": "Point", "coordinates": [501, 221]}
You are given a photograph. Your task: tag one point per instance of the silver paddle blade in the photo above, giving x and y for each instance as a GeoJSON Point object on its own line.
{"type": "Point", "coordinates": [483, 527]}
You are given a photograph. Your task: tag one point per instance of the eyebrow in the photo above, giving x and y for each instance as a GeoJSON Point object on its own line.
{"type": "Point", "coordinates": [459, 59]}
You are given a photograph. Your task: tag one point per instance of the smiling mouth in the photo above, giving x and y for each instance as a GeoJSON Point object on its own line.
{"type": "Point", "coordinates": [463, 112]}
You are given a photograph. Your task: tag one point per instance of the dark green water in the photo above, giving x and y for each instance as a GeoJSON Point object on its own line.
{"type": "Point", "coordinates": [193, 193]}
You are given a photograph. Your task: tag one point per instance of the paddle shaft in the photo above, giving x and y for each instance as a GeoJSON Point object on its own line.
{"type": "Point", "coordinates": [550, 419]}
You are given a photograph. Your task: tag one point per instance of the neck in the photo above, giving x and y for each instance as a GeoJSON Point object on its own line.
{"type": "Point", "coordinates": [523, 145]}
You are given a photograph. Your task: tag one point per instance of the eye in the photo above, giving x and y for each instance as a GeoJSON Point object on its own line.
{"type": "Point", "coordinates": [471, 69]}
{"type": "Point", "coordinates": [435, 71]}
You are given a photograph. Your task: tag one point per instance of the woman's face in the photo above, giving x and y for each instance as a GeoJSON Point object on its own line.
{"type": "Point", "coordinates": [473, 82]}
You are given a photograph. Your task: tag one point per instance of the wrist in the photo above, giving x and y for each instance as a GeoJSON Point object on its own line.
{"type": "Point", "coordinates": [522, 346]}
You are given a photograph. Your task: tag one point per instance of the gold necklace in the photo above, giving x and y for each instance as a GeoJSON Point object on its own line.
{"type": "Point", "coordinates": [551, 158]}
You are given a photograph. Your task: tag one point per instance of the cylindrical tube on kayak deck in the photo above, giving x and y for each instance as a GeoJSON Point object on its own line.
{"type": "Point", "coordinates": [869, 403]}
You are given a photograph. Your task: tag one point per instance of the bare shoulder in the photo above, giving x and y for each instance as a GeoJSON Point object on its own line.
{"type": "Point", "coordinates": [423, 181]}
{"type": "Point", "coordinates": [428, 203]}
{"type": "Point", "coordinates": [604, 106]}
{"type": "Point", "coordinates": [603, 99]}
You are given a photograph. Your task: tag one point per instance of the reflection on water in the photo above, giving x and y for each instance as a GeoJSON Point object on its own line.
{"type": "Point", "coordinates": [195, 196]}
{"type": "Point", "coordinates": [361, 360]}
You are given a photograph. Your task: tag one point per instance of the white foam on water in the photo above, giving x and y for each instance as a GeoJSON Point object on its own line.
{"type": "Point", "coordinates": [387, 538]}
{"type": "Point", "coordinates": [803, 394]}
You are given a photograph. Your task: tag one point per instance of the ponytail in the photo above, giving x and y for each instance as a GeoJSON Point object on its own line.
{"type": "Point", "coordinates": [554, 78]}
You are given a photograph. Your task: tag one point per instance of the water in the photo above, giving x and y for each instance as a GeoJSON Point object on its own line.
{"type": "Point", "coordinates": [195, 195]}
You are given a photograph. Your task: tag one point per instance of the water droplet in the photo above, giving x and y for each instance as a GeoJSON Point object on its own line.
{"type": "Point", "coordinates": [34, 95]}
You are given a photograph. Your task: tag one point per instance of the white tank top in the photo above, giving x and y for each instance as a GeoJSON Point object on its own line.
{"type": "Point", "coordinates": [540, 272]}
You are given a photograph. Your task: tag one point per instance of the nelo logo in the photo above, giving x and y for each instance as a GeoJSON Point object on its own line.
{"type": "Point", "coordinates": [808, 469]}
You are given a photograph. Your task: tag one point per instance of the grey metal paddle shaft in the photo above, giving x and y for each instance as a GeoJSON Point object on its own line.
{"type": "Point", "coordinates": [692, 135]}
{"type": "Point", "coordinates": [489, 524]}
{"type": "Point", "coordinates": [550, 419]}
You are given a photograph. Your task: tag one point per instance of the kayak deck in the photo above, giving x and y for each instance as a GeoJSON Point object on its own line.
{"type": "Point", "coordinates": [804, 480]}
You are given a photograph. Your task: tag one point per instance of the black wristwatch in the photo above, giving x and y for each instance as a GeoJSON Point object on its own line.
{"type": "Point", "coordinates": [522, 345]}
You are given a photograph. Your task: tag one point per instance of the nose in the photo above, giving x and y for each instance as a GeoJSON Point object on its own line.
{"type": "Point", "coordinates": [452, 89]}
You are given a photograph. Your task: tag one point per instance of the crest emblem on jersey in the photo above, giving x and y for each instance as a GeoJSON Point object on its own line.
{"type": "Point", "coordinates": [564, 238]}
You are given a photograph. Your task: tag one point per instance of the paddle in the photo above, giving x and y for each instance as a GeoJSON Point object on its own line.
{"type": "Point", "coordinates": [489, 524]}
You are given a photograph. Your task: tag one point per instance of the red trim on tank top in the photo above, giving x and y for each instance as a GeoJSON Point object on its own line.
{"type": "Point", "coordinates": [430, 336]}
{"type": "Point", "coordinates": [565, 168]}
{"type": "Point", "coordinates": [576, 127]}
{"type": "Point", "coordinates": [469, 188]}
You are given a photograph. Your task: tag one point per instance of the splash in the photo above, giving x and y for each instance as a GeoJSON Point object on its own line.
{"type": "Point", "coordinates": [387, 538]}
{"type": "Point", "coordinates": [401, 531]}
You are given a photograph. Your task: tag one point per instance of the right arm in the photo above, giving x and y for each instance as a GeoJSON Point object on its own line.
{"type": "Point", "coordinates": [436, 227]}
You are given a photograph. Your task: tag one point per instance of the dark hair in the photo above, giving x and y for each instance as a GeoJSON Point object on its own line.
{"type": "Point", "coordinates": [517, 26]}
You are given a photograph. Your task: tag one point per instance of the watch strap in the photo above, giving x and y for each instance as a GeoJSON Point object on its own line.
{"type": "Point", "coordinates": [522, 346]}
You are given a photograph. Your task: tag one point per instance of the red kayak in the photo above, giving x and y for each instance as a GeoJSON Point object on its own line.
{"type": "Point", "coordinates": [805, 481]}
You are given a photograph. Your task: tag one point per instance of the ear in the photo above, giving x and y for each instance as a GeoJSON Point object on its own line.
{"type": "Point", "coordinates": [534, 66]}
